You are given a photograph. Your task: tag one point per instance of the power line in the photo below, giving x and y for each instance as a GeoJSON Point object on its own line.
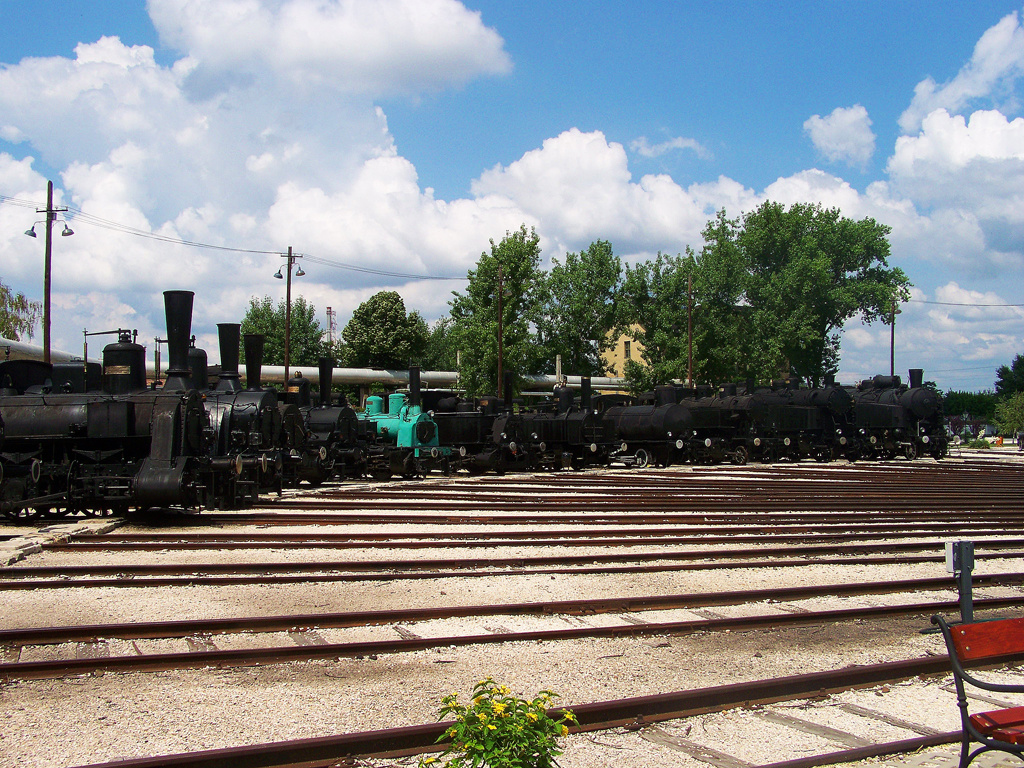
{"type": "Point", "coordinates": [959, 304]}
{"type": "Point", "coordinates": [81, 216]}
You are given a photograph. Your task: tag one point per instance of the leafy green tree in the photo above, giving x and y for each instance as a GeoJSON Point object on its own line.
{"type": "Point", "coordinates": [979, 406]}
{"type": "Point", "coordinates": [653, 304]}
{"type": "Point", "coordinates": [18, 315]}
{"type": "Point", "coordinates": [808, 271]}
{"type": "Point", "coordinates": [1009, 414]}
{"type": "Point", "coordinates": [306, 342]}
{"type": "Point", "coordinates": [1010, 378]}
{"type": "Point", "coordinates": [441, 353]}
{"type": "Point", "coordinates": [578, 311]}
{"type": "Point", "coordinates": [511, 269]}
{"type": "Point", "coordinates": [381, 334]}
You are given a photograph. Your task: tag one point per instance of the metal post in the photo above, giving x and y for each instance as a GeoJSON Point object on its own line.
{"type": "Point", "coordinates": [960, 562]}
{"type": "Point", "coordinates": [501, 341]}
{"type": "Point", "coordinates": [689, 330]}
{"type": "Point", "coordinates": [288, 317]}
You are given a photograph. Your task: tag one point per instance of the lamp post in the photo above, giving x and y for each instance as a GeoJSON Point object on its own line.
{"type": "Point", "coordinates": [291, 257]}
{"type": "Point", "coordinates": [51, 215]}
{"type": "Point", "coordinates": [892, 339]}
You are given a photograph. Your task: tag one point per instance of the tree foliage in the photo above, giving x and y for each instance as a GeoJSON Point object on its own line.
{"type": "Point", "coordinates": [1010, 378]}
{"type": "Point", "coordinates": [306, 342]}
{"type": "Point", "coordinates": [18, 315]}
{"type": "Point", "coordinates": [979, 406]}
{"type": "Point", "coordinates": [804, 272]}
{"type": "Point", "coordinates": [578, 306]}
{"type": "Point", "coordinates": [1009, 414]}
{"type": "Point", "coordinates": [381, 334]}
{"type": "Point", "coordinates": [513, 269]}
{"type": "Point", "coordinates": [653, 313]}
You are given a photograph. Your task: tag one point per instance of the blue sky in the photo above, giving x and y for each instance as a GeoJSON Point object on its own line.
{"type": "Point", "coordinates": [401, 135]}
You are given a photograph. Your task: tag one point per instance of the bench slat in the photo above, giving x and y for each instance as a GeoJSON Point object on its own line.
{"type": "Point", "coordinates": [986, 722]}
{"type": "Point", "coordinates": [987, 639]}
{"type": "Point", "coordinates": [1011, 735]}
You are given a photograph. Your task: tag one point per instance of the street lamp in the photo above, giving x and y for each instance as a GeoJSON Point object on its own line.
{"type": "Point", "coordinates": [892, 339]}
{"type": "Point", "coordinates": [51, 215]}
{"type": "Point", "coordinates": [291, 257]}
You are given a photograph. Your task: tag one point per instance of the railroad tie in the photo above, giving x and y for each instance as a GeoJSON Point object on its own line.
{"type": "Point", "coordinates": [815, 729]}
{"type": "Point", "coordinates": [899, 722]}
{"type": "Point", "coordinates": [656, 735]}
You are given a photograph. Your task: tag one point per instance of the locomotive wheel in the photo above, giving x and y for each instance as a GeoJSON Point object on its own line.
{"type": "Point", "coordinates": [741, 455]}
{"type": "Point", "coordinates": [910, 451]}
{"type": "Point", "coordinates": [642, 458]}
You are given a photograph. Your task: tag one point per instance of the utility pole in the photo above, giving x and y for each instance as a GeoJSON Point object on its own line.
{"type": "Point", "coordinates": [689, 330]}
{"type": "Point", "coordinates": [51, 214]}
{"type": "Point", "coordinates": [892, 340]}
{"type": "Point", "coordinates": [501, 340]}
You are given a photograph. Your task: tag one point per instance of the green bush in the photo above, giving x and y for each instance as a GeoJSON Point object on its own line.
{"type": "Point", "coordinates": [498, 730]}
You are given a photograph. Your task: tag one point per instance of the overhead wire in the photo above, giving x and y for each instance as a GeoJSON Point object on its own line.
{"type": "Point", "coordinates": [80, 216]}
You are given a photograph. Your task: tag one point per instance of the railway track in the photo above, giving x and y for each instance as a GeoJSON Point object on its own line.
{"type": "Point", "coordinates": [871, 567]}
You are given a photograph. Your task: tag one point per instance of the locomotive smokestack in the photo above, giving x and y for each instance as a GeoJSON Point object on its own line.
{"type": "Point", "coordinates": [253, 359]}
{"type": "Point", "coordinates": [326, 379]}
{"type": "Point", "coordinates": [229, 334]}
{"type": "Point", "coordinates": [830, 379]}
{"type": "Point", "coordinates": [916, 377]}
{"type": "Point", "coordinates": [585, 398]}
{"type": "Point", "coordinates": [414, 385]}
{"type": "Point", "coordinates": [178, 309]}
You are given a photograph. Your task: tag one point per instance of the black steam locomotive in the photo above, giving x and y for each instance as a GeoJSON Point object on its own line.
{"type": "Point", "coordinates": [120, 447]}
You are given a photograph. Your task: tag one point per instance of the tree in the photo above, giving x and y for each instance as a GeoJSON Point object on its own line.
{"type": "Point", "coordinates": [805, 271]}
{"type": "Point", "coordinates": [1010, 378]}
{"type": "Point", "coordinates": [18, 315]}
{"type": "Point", "coordinates": [511, 269]}
{"type": "Point", "coordinates": [381, 334]}
{"type": "Point", "coordinates": [578, 311]}
{"type": "Point", "coordinates": [306, 341]}
{"type": "Point", "coordinates": [653, 303]}
{"type": "Point", "coordinates": [1009, 416]}
{"type": "Point", "coordinates": [441, 353]}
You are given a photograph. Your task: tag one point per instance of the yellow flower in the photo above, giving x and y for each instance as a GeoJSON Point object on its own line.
{"type": "Point", "coordinates": [565, 730]}
{"type": "Point", "coordinates": [491, 727]}
{"type": "Point", "coordinates": [498, 707]}
{"type": "Point", "coordinates": [531, 716]}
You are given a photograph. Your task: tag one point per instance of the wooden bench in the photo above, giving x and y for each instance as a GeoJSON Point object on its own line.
{"type": "Point", "coordinates": [1000, 729]}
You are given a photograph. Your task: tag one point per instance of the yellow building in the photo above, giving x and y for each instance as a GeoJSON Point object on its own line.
{"type": "Point", "coordinates": [626, 348]}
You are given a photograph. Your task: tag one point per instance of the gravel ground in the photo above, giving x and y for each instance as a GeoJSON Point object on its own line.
{"type": "Point", "coordinates": [101, 717]}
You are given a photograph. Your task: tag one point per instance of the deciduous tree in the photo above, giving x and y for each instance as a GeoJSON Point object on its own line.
{"type": "Point", "coordinates": [18, 315]}
{"type": "Point", "coordinates": [1010, 378]}
{"type": "Point", "coordinates": [306, 342]}
{"type": "Point", "coordinates": [512, 268]}
{"type": "Point", "coordinates": [381, 334]}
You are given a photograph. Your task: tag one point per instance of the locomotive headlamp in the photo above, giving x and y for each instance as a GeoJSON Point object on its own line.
{"type": "Point", "coordinates": [787, 442]}
{"type": "Point", "coordinates": [668, 434]}
{"type": "Point", "coordinates": [707, 442]}
{"type": "Point", "coordinates": [624, 447]}
{"type": "Point", "coordinates": [534, 435]}
{"type": "Point", "coordinates": [679, 444]}
{"type": "Point", "coordinates": [593, 447]}
{"type": "Point", "coordinates": [757, 442]}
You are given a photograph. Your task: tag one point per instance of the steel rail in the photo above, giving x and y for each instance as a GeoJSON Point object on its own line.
{"type": "Point", "coordinates": [983, 550]}
{"type": "Point", "coordinates": [34, 670]}
{"type": "Point", "coordinates": [141, 579]}
{"type": "Point", "coordinates": [281, 623]}
{"type": "Point", "coordinates": [634, 711]}
{"type": "Point", "coordinates": [430, 541]}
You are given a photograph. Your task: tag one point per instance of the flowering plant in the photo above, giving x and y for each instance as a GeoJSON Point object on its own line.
{"type": "Point", "coordinates": [498, 730]}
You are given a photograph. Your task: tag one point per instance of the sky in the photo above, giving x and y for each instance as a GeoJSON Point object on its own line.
{"type": "Point", "coordinates": [383, 139]}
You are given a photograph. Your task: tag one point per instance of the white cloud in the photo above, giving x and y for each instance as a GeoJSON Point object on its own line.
{"type": "Point", "coordinates": [845, 135]}
{"type": "Point", "coordinates": [358, 46]}
{"type": "Point", "coordinates": [997, 62]}
{"type": "Point", "coordinates": [644, 148]}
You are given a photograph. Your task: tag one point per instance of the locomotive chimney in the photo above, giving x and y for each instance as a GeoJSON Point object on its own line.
{"type": "Point", "coordinates": [585, 398]}
{"type": "Point", "coordinates": [326, 379]}
{"type": "Point", "coordinates": [229, 334]}
{"type": "Point", "coordinates": [916, 377]}
{"type": "Point", "coordinates": [830, 379]}
{"type": "Point", "coordinates": [253, 359]}
{"type": "Point", "coordinates": [414, 385]}
{"type": "Point", "coordinates": [197, 364]}
{"type": "Point", "coordinates": [178, 309]}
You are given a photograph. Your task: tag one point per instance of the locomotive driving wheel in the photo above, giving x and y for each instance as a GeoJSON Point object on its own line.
{"type": "Point", "coordinates": [741, 455]}
{"type": "Point", "coordinates": [642, 458]}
